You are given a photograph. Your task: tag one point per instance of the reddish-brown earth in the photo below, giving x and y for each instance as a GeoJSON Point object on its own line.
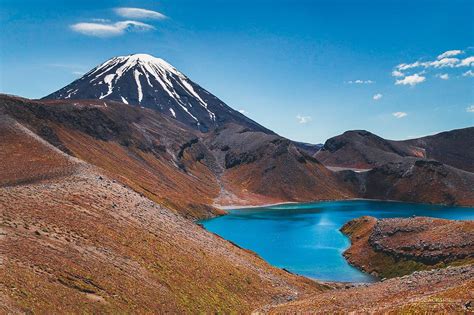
{"type": "Point", "coordinates": [440, 291]}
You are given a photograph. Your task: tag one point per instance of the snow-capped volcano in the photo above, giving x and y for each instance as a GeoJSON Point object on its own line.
{"type": "Point", "coordinates": [151, 82]}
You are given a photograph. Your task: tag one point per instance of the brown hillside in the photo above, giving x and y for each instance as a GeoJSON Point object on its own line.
{"type": "Point", "coordinates": [75, 240]}
{"type": "Point", "coordinates": [174, 165]}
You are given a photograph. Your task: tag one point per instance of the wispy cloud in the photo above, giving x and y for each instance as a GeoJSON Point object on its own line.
{"type": "Point", "coordinates": [443, 76]}
{"type": "Point", "coordinates": [110, 29]}
{"type": "Point", "coordinates": [360, 82]}
{"type": "Point", "coordinates": [243, 111]}
{"type": "Point", "coordinates": [450, 53]}
{"type": "Point", "coordinates": [303, 119]}
{"type": "Point", "coordinates": [78, 73]}
{"type": "Point", "coordinates": [399, 115]}
{"type": "Point", "coordinates": [139, 14]}
{"type": "Point", "coordinates": [411, 80]}
{"type": "Point", "coordinates": [377, 96]}
{"type": "Point", "coordinates": [468, 73]}
{"type": "Point", "coordinates": [105, 28]}
{"type": "Point", "coordinates": [470, 109]}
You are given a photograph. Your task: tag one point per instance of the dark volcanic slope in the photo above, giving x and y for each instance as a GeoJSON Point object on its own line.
{"type": "Point", "coordinates": [362, 149]}
{"type": "Point", "coordinates": [455, 148]}
{"type": "Point", "coordinates": [414, 180]}
{"type": "Point", "coordinates": [146, 81]}
{"type": "Point", "coordinates": [433, 169]}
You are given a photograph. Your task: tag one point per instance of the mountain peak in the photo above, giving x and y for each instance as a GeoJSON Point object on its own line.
{"type": "Point", "coordinates": [143, 59]}
{"type": "Point", "coordinates": [148, 81]}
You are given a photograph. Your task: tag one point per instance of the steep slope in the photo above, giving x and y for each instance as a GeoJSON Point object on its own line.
{"type": "Point", "coordinates": [143, 80]}
{"type": "Point", "coordinates": [173, 164]}
{"type": "Point", "coordinates": [138, 147]}
{"type": "Point", "coordinates": [75, 240]}
{"type": "Point", "coordinates": [453, 147]}
{"type": "Point", "coordinates": [413, 180]}
{"type": "Point", "coordinates": [258, 164]}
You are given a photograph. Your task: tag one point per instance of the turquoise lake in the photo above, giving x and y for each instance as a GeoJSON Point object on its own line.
{"type": "Point", "coordinates": [305, 238]}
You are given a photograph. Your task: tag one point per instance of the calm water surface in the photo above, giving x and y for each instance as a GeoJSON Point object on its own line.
{"type": "Point", "coordinates": [305, 238]}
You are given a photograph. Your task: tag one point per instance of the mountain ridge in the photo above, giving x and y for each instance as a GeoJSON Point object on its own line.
{"type": "Point", "coordinates": [363, 149]}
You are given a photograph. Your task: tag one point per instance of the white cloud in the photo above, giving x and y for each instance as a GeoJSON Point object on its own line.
{"type": "Point", "coordinates": [137, 13]}
{"type": "Point", "coordinates": [411, 80]}
{"type": "Point", "coordinates": [110, 29]}
{"type": "Point", "coordinates": [450, 53]}
{"type": "Point", "coordinates": [361, 82]}
{"type": "Point", "coordinates": [466, 62]}
{"type": "Point", "coordinates": [377, 96]}
{"type": "Point", "coordinates": [80, 73]}
{"type": "Point", "coordinates": [445, 62]}
{"type": "Point", "coordinates": [399, 115]}
{"type": "Point", "coordinates": [448, 59]}
{"type": "Point", "coordinates": [397, 73]}
{"type": "Point", "coordinates": [470, 109]}
{"type": "Point", "coordinates": [303, 119]}
{"type": "Point", "coordinates": [242, 111]}
{"type": "Point", "coordinates": [468, 73]}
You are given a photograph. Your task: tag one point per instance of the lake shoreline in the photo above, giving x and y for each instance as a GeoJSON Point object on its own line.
{"type": "Point", "coordinates": [243, 207]}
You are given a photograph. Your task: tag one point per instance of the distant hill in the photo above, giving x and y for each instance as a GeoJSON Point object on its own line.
{"type": "Point", "coordinates": [362, 149]}
{"type": "Point", "coordinates": [434, 169]}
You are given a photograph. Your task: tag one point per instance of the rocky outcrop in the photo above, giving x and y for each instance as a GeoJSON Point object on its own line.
{"type": "Point", "coordinates": [391, 247]}
{"type": "Point", "coordinates": [413, 180]}
{"type": "Point", "coordinates": [425, 240]}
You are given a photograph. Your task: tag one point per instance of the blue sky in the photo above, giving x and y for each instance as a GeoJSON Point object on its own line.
{"type": "Point", "coordinates": [308, 70]}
